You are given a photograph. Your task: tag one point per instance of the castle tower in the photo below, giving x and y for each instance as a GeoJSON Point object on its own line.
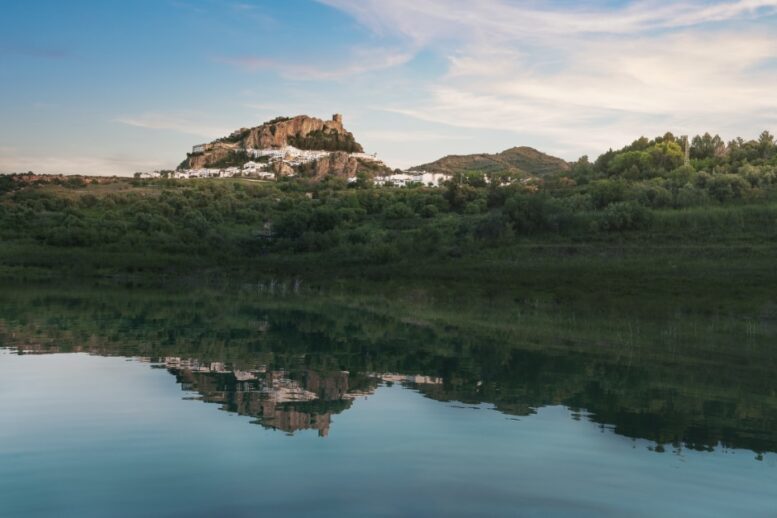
{"type": "Point", "coordinates": [338, 118]}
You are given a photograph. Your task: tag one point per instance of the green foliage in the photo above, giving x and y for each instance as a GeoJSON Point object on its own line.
{"type": "Point", "coordinates": [726, 187]}
{"type": "Point", "coordinates": [398, 210]}
{"type": "Point", "coordinates": [326, 140]}
{"type": "Point", "coordinates": [184, 163]}
{"type": "Point", "coordinates": [706, 147]}
{"type": "Point", "coordinates": [622, 216]}
{"type": "Point", "coordinates": [276, 120]}
{"type": "Point", "coordinates": [7, 184]}
{"type": "Point", "coordinates": [655, 160]}
{"type": "Point", "coordinates": [235, 137]}
{"type": "Point", "coordinates": [159, 225]}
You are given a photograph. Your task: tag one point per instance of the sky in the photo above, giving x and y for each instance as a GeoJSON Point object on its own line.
{"type": "Point", "coordinates": [114, 87]}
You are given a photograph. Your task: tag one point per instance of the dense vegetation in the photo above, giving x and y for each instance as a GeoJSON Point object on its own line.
{"type": "Point", "coordinates": [235, 136]}
{"type": "Point", "coordinates": [635, 217]}
{"type": "Point", "coordinates": [326, 141]}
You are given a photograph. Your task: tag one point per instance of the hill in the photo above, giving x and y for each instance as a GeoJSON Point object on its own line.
{"type": "Point", "coordinates": [520, 161]}
{"type": "Point", "coordinates": [302, 132]}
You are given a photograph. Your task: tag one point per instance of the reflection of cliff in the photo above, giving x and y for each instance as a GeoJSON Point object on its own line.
{"type": "Point", "coordinates": [288, 401]}
{"type": "Point", "coordinates": [304, 400]}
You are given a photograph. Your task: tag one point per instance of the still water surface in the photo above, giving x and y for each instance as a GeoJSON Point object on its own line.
{"type": "Point", "coordinates": [127, 403]}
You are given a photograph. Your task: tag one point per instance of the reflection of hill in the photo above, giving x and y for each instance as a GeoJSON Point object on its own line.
{"type": "Point", "coordinates": [276, 400]}
{"type": "Point", "coordinates": [293, 363]}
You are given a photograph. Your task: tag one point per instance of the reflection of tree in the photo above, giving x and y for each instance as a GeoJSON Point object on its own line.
{"type": "Point", "coordinates": [697, 392]}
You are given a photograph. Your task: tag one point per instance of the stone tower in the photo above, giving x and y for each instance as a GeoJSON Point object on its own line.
{"type": "Point", "coordinates": [338, 118]}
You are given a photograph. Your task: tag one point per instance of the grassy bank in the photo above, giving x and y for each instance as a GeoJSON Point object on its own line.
{"type": "Point", "coordinates": [714, 255]}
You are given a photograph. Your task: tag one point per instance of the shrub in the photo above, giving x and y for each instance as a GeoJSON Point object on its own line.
{"type": "Point", "coordinates": [398, 210]}
{"type": "Point", "coordinates": [624, 216]}
{"type": "Point", "coordinates": [724, 187]}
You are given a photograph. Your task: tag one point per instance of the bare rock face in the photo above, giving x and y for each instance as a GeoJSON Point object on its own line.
{"type": "Point", "coordinates": [282, 169]}
{"type": "Point", "coordinates": [278, 134]}
{"type": "Point", "coordinates": [214, 153]}
{"type": "Point", "coordinates": [337, 164]}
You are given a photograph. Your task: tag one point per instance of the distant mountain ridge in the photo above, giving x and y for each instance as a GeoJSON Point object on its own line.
{"type": "Point", "coordinates": [523, 160]}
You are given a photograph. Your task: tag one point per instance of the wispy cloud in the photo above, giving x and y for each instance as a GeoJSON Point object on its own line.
{"type": "Point", "coordinates": [360, 61]}
{"type": "Point", "coordinates": [190, 124]}
{"type": "Point", "coordinates": [586, 77]}
{"type": "Point", "coordinates": [409, 136]}
{"type": "Point", "coordinates": [423, 21]}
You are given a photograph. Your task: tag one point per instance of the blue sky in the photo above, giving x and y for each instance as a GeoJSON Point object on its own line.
{"type": "Point", "coordinates": [113, 87]}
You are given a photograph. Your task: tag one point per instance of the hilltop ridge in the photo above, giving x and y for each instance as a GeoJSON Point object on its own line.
{"type": "Point", "coordinates": [302, 132]}
{"type": "Point", "coordinates": [521, 161]}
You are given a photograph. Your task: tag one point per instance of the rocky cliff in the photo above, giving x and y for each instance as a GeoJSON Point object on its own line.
{"type": "Point", "coordinates": [337, 164]}
{"type": "Point", "coordinates": [302, 132]}
{"type": "Point", "coordinates": [522, 161]}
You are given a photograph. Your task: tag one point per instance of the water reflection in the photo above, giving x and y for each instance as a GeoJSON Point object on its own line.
{"type": "Point", "coordinates": [280, 400]}
{"type": "Point", "coordinates": [294, 363]}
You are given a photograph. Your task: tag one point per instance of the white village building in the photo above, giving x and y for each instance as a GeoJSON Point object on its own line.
{"type": "Point", "coordinates": [413, 177]}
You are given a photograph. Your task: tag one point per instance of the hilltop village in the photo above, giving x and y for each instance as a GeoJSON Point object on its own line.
{"type": "Point", "coordinates": [315, 149]}
{"type": "Point", "coordinates": [289, 147]}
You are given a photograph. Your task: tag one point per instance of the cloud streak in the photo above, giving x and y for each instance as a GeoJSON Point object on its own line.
{"type": "Point", "coordinates": [422, 21]}
{"type": "Point", "coordinates": [361, 61]}
{"type": "Point", "coordinates": [587, 78]}
{"type": "Point", "coordinates": [180, 123]}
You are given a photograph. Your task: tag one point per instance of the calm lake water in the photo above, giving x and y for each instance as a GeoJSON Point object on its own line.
{"type": "Point", "coordinates": [268, 398]}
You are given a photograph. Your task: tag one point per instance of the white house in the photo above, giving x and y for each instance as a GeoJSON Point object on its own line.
{"type": "Point", "coordinates": [411, 177]}
{"type": "Point", "coordinates": [251, 167]}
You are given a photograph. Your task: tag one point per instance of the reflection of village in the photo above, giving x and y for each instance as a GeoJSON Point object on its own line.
{"type": "Point", "coordinates": [288, 401]}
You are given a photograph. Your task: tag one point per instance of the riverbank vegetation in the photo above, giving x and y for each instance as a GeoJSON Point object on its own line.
{"type": "Point", "coordinates": [636, 218]}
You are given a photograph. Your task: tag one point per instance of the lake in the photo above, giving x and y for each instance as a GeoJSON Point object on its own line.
{"type": "Point", "coordinates": [343, 400]}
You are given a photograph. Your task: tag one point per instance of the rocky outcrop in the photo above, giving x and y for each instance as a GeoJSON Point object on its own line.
{"type": "Point", "coordinates": [214, 154]}
{"type": "Point", "coordinates": [302, 132]}
{"type": "Point", "coordinates": [282, 169]}
{"type": "Point", "coordinates": [337, 164]}
{"type": "Point", "coordinates": [283, 132]}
